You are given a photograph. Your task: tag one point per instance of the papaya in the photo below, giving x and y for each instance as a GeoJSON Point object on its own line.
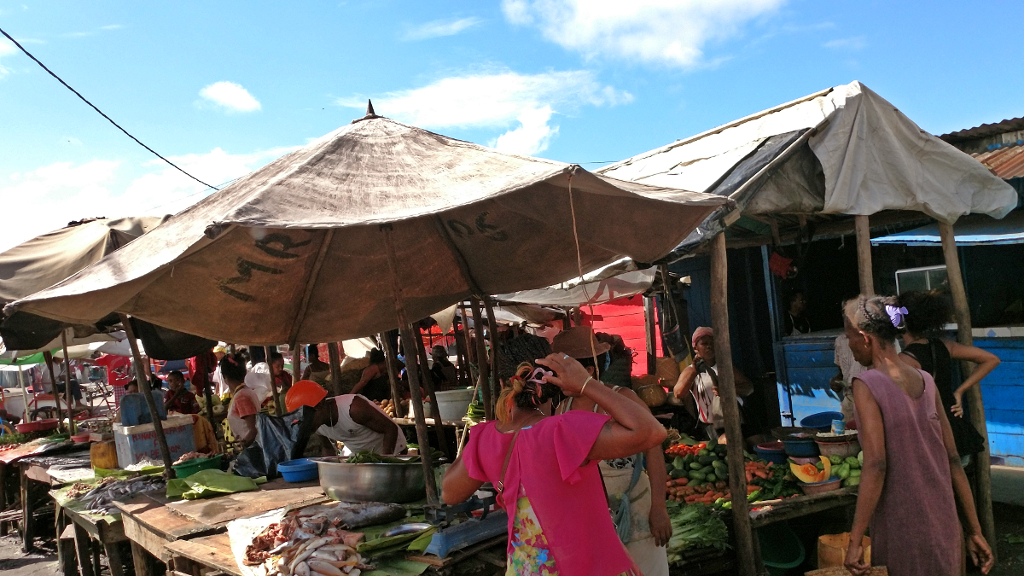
{"type": "Point", "coordinates": [806, 473]}
{"type": "Point", "coordinates": [826, 472]}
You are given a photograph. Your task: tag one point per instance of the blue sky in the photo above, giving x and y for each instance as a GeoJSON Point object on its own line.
{"type": "Point", "coordinates": [224, 87]}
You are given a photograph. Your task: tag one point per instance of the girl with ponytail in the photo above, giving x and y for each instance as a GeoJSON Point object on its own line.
{"type": "Point", "coordinates": [545, 469]}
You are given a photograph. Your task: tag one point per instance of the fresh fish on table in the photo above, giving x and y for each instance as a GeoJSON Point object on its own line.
{"type": "Point", "coordinates": [100, 500]}
{"type": "Point", "coordinates": [313, 541]}
{"type": "Point", "coordinates": [356, 514]}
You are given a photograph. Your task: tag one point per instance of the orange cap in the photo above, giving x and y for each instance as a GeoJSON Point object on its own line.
{"type": "Point", "coordinates": [304, 393]}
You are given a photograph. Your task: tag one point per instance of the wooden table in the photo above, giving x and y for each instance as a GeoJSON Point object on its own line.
{"type": "Point", "coordinates": [92, 536]}
{"type": "Point", "coordinates": [158, 527]}
{"type": "Point", "coordinates": [791, 508]}
{"type": "Point", "coordinates": [36, 480]}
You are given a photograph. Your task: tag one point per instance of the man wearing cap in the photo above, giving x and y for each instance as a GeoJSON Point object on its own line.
{"type": "Point", "coordinates": [701, 381]}
{"type": "Point", "coordinates": [349, 418]}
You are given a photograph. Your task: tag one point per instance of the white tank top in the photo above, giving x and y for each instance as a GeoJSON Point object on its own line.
{"type": "Point", "coordinates": [357, 437]}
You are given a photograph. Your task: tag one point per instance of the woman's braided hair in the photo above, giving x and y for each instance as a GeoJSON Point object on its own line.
{"type": "Point", "coordinates": [524, 390]}
{"type": "Point", "coordinates": [880, 316]}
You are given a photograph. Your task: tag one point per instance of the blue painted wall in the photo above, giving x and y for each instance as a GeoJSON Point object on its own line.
{"type": "Point", "coordinates": [810, 365]}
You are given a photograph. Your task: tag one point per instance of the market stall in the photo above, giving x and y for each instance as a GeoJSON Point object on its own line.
{"type": "Point", "coordinates": [826, 162]}
{"type": "Point", "coordinates": [375, 195]}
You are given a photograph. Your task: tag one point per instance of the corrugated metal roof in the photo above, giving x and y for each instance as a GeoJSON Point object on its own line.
{"type": "Point", "coordinates": [1007, 162]}
{"type": "Point", "coordinates": [1009, 125]}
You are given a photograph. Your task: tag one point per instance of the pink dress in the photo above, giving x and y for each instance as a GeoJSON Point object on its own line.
{"type": "Point", "coordinates": [915, 529]}
{"type": "Point", "coordinates": [549, 467]}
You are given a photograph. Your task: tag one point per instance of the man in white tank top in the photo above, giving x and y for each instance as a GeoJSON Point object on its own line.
{"type": "Point", "coordinates": [350, 418]}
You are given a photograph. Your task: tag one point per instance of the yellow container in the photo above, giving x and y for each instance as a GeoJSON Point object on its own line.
{"type": "Point", "coordinates": [103, 455]}
{"type": "Point", "coordinates": [832, 549]}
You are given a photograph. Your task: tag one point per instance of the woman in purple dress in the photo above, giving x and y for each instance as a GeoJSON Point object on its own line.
{"type": "Point", "coordinates": [912, 483]}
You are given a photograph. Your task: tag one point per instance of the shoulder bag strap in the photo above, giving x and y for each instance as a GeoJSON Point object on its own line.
{"type": "Point", "coordinates": [504, 466]}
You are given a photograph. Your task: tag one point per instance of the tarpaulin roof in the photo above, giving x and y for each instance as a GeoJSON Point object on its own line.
{"type": "Point", "coordinates": [47, 259]}
{"type": "Point", "coordinates": [971, 231]}
{"type": "Point", "coordinates": [597, 292]}
{"type": "Point", "coordinates": [296, 250]}
{"type": "Point", "coordinates": [844, 150]}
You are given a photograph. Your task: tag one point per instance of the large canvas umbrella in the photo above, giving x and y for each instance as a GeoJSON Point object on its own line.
{"type": "Point", "coordinates": [297, 251]}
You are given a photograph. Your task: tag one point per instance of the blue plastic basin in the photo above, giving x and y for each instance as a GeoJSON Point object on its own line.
{"type": "Point", "coordinates": [800, 447]}
{"type": "Point", "coordinates": [822, 421]}
{"type": "Point", "coordinates": [301, 470]}
{"type": "Point", "coordinates": [773, 452]}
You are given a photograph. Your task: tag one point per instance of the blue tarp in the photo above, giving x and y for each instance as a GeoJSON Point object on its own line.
{"type": "Point", "coordinates": [969, 231]}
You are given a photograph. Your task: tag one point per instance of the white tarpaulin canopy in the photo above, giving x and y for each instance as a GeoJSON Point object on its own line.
{"type": "Point", "coordinates": [600, 291]}
{"type": "Point", "coordinates": [296, 251]}
{"type": "Point", "coordinates": [844, 150]}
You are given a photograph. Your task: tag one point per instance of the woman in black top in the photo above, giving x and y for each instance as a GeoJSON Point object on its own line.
{"type": "Point", "coordinates": [927, 313]}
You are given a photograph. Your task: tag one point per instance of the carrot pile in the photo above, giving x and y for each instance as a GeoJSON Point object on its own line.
{"type": "Point", "coordinates": [755, 469]}
{"type": "Point", "coordinates": [680, 490]}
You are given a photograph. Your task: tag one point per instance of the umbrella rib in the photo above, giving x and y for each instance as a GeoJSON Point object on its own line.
{"type": "Point", "coordinates": [314, 274]}
{"type": "Point", "coordinates": [459, 257]}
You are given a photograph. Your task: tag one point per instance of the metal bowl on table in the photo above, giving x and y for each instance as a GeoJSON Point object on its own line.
{"type": "Point", "coordinates": [397, 483]}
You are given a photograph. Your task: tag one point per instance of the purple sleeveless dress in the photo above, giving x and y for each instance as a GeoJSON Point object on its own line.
{"type": "Point", "coordinates": [915, 529]}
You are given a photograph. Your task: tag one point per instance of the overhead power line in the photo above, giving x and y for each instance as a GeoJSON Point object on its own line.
{"type": "Point", "coordinates": [100, 112]}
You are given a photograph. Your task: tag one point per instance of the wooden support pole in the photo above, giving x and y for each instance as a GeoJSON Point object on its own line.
{"type": "Point", "coordinates": [274, 392]}
{"type": "Point", "coordinates": [745, 553]}
{"type": "Point", "coordinates": [24, 400]}
{"type": "Point", "coordinates": [416, 399]}
{"type": "Point", "coordinates": [482, 367]}
{"type": "Point", "coordinates": [389, 357]}
{"type": "Point", "coordinates": [428, 386]}
{"type": "Point", "coordinates": [962, 313]}
{"type": "Point", "coordinates": [492, 328]}
{"type": "Point", "coordinates": [862, 228]}
{"type": "Point", "coordinates": [649, 331]}
{"type": "Point", "coordinates": [67, 382]}
{"type": "Point", "coordinates": [334, 356]}
{"type": "Point", "coordinates": [142, 375]}
{"type": "Point", "coordinates": [53, 379]}
{"type": "Point", "coordinates": [468, 351]}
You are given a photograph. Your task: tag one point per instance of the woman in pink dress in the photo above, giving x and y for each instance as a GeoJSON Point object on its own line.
{"type": "Point", "coordinates": [545, 469]}
{"type": "Point", "coordinates": [912, 481]}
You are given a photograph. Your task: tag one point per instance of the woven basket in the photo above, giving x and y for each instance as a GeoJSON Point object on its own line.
{"type": "Point", "coordinates": [842, 571]}
{"type": "Point", "coordinates": [832, 549]}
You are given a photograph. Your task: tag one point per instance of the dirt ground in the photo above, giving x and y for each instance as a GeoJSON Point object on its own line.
{"type": "Point", "coordinates": [14, 562]}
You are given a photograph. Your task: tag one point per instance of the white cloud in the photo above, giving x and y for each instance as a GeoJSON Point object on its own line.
{"type": "Point", "coordinates": [665, 32]}
{"type": "Point", "coordinates": [112, 27]}
{"type": "Point", "coordinates": [492, 99]}
{"type": "Point", "coordinates": [853, 44]}
{"type": "Point", "coordinates": [524, 103]}
{"type": "Point", "coordinates": [63, 192]}
{"type": "Point", "coordinates": [230, 96]}
{"type": "Point", "coordinates": [531, 137]}
{"type": "Point", "coordinates": [6, 49]}
{"type": "Point", "coordinates": [439, 28]}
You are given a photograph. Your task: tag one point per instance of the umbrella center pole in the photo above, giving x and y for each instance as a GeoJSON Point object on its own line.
{"type": "Point", "coordinates": [409, 344]}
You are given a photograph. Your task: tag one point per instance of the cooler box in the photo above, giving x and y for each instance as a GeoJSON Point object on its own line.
{"type": "Point", "coordinates": [135, 443]}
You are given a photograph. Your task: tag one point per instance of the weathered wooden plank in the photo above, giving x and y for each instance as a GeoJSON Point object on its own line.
{"type": "Point", "coordinates": [212, 551]}
{"type": "Point", "coordinates": [1006, 445]}
{"type": "Point", "coordinates": [153, 515]}
{"type": "Point", "coordinates": [217, 512]}
{"type": "Point", "coordinates": [804, 505]}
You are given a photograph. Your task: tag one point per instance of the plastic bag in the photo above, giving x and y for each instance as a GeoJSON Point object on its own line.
{"type": "Point", "coordinates": [278, 439]}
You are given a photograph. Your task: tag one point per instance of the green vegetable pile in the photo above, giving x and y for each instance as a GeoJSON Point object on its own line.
{"type": "Point", "coordinates": [847, 468]}
{"type": "Point", "coordinates": [371, 457]}
{"type": "Point", "coordinates": [475, 412]}
{"type": "Point", "coordinates": [694, 526]}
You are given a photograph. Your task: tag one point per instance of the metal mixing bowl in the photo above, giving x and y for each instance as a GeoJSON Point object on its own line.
{"type": "Point", "coordinates": [371, 482]}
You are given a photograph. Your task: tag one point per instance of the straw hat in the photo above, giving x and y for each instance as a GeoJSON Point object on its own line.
{"type": "Point", "coordinates": [576, 342]}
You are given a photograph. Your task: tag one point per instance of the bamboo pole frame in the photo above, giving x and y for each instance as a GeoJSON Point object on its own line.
{"type": "Point", "coordinates": [482, 364]}
{"type": "Point", "coordinates": [428, 387]}
{"type": "Point", "coordinates": [745, 551]}
{"type": "Point", "coordinates": [408, 343]}
{"type": "Point", "coordinates": [493, 382]}
{"type": "Point", "coordinates": [389, 356]}
{"type": "Point", "coordinates": [334, 358]}
{"type": "Point", "coordinates": [142, 374]}
{"type": "Point", "coordinates": [67, 382]}
{"type": "Point", "coordinates": [962, 313]}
